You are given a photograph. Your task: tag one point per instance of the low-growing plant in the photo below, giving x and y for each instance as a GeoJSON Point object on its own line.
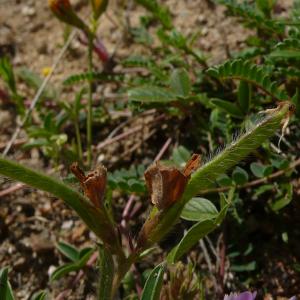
{"type": "Point", "coordinates": [170, 190]}
{"type": "Point", "coordinates": [240, 104]}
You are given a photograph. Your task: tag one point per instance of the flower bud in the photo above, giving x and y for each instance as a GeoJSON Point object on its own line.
{"type": "Point", "coordinates": [99, 7]}
{"type": "Point", "coordinates": [63, 10]}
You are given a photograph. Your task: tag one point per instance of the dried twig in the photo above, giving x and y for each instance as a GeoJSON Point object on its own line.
{"type": "Point", "coordinates": [12, 189]}
{"type": "Point", "coordinates": [122, 125]}
{"type": "Point", "coordinates": [222, 265]}
{"type": "Point", "coordinates": [163, 149]}
{"type": "Point", "coordinates": [125, 134]}
{"type": "Point", "coordinates": [208, 262]}
{"type": "Point", "coordinates": [256, 182]}
{"type": "Point", "coordinates": [18, 142]}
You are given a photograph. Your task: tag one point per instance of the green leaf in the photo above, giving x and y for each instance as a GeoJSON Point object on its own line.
{"type": "Point", "coordinates": [265, 6]}
{"type": "Point", "coordinates": [154, 284]}
{"type": "Point", "coordinates": [7, 74]}
{"type": "Point", "coordinates": [285, 54]}
{"type": "Point", "coordinates": [280, 163]}
{"type": "Point", "coordinates": [6, 292]}
{"type": "Point", "coordinates": [83, 252]}
{"type": "Point", "coordinates": [159, 11]}
{"type": "Point", "coordinates": [180, 82]}
{"type": "Point", "coordinates": [262, 189]}
{"type": "Point", "coordinates": [74, 266]}
{"type": "Point", "coordinates": [245, 70]}
{"type": "Point", "coordinates": [230, 108]}
{"type": "Point", "coordinates": [268, 171]}
{"type": "Point", "coordinates": [254, 18]}
{"type": "Point", "coordinates": [283, 201]}
{"type": "Point", "coordinates": [223, 212]}
{"type": "Point", "coordinates": [224, 180]}
{"type": "Point", "coordinates": [83, 260]}
{"type": "Point", "coordinates": [106, 268]}
{"type": "Point", "coordinates": [36, 143]}
{"type": "Point", "coordinates": [296, 101]}
{"type": "Point", "coordinates": [174, 38]}
{"type": "Point", "coordinates": [69, 251]}
{"type": "Point", "coordinates": [285, 237]}
{"type": "Point", "coordinates": [244, 95]}
{"type": "Point", "coordinates": [151, 94]}
{"type": "Point", "coordinates": [141, 36]}
{"type": "Point", "coordinates": [39, 296]}
{"type": "Point", "coordinates": [63, 270]}
{"type": "Point", "coordinates": [194, 234]}
{"type": "Point", "coordinates": [244, 268]}
{"type": "Point", "coordinates": [257, 169]}
{"type": "Point", "coordinates": [199, 209]}
{"type": "Point", "coordinates": [93, 76]}
{"type": "Point", "coordinates": [136, 186]}
{"type": "Point", "coordinates": [180, 156]}
{"type": "Point", "coordinates": [199, 230]}
{"type": "Point", "coordinates": [240, 176]}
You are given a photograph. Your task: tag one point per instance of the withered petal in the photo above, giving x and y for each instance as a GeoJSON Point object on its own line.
{"type": "Point", "coordinates": [75, 169]}
{"type": "Point", "coordinates": [165, 185]}
{"type": "Point", "coordinates": [192, 165]}
{"type": "Point", "coordinates": [93, 184]}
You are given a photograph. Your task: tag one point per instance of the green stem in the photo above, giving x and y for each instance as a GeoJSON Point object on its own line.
{"type": "Point", "coordinates": [90, 103]}
{"type": "Point", "coordinates": [200, 60]}
{"type": "Point", "coordinates": [124, 266]}
{"type": "Point", "coordinates": [106, 270]}
{"type": "Point", "coordinates": [78, 138]}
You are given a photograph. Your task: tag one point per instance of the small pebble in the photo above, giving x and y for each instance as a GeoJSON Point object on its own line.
{"type": "Point", "coordinates": [28, 11]}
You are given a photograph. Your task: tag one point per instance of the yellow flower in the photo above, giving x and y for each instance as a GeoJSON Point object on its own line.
{"type": "Point", "coordinates": [46, 71]}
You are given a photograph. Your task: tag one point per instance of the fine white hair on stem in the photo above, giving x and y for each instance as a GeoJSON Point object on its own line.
{"type": "Point", "coordinates": [249, 127]}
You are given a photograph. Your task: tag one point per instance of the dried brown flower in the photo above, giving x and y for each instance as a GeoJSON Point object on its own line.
{"type": "Point", "coordinates": [166, 184]}
{"type": "Point", "coordinates": [93, 184]}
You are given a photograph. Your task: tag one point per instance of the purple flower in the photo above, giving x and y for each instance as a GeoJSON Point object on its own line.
{"type": "Point", "coordinates": [242, 296]}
